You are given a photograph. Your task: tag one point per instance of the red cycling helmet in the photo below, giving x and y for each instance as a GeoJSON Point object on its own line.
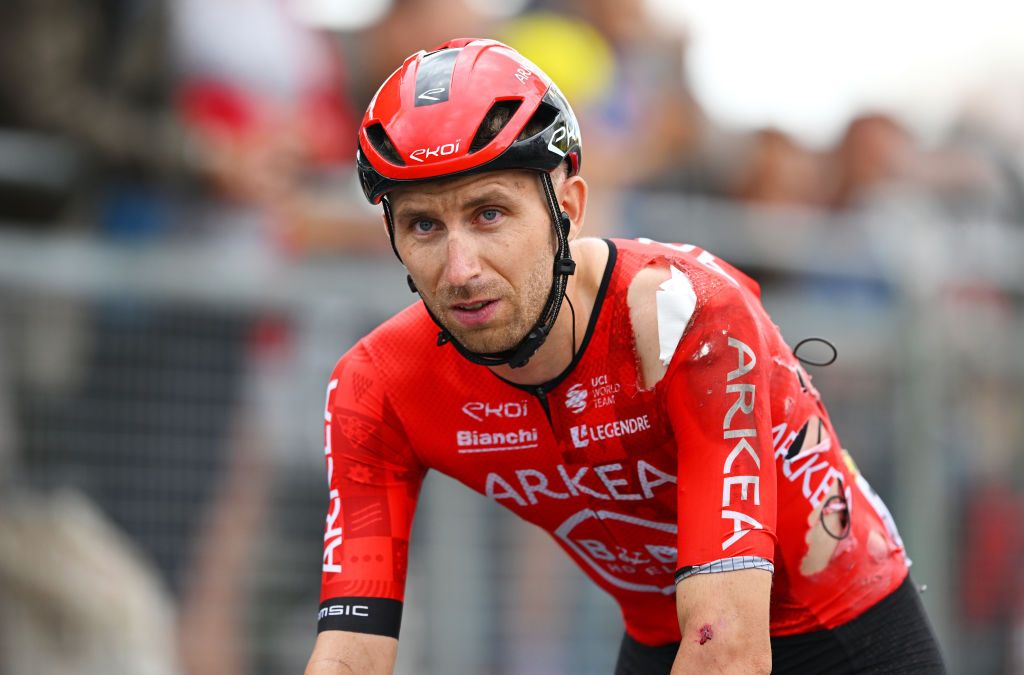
{"type": "Point", "coordinates": [466, 107]}
{"type": "Point", "coordinates": [427, 119]}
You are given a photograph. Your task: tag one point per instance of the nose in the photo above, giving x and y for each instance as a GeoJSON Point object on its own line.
{"type": "Point", "coordinates": [463, 263]}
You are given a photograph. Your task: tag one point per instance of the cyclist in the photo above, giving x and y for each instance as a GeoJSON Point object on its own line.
{"type": "Point", "coordinates": [632, 398]}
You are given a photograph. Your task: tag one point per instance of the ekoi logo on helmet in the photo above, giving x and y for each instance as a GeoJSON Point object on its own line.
{"type": "Point", "coordinates": [565, 137]}
{"type": "Point", "coordinates": [443, 150]}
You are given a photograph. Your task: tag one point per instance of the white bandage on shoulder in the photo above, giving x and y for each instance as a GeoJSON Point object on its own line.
{"type": "Point", "coordinates": [676, 303]}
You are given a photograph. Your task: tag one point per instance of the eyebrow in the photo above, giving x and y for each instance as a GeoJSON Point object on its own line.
{"type": "Point", "coordinates": [493, 193]}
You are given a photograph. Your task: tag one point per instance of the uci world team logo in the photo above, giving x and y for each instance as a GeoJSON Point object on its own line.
{"type": "Point", "coordinates": [576, 398]}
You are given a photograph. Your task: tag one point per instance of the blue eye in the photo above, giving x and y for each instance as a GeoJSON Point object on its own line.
{"type": "Point", "coordinates": [490, 215]}
{"type": "Point", "coordinates": [423, 226]}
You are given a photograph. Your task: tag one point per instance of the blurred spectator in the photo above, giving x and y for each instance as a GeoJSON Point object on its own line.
{"type": "Point", "coordinates": [879, 159]}
{"type": "Point", "coordinates": [990, 131]}
{"type": "Point", "coordinates": [992, 578]}
{"type": "Point", "coordinates": [408, 25]}
{"type": "Point", "coordinates": [780, 171]}
{"type": "Point", "coordinates": [875, 153]}
{"type": "Point", "coordinates": [647, 127]}
{"type": "Point", "coordinates": [273, 94]}
{"type": "Point", "coordinates": [94, 79]}
{"type": "Point", "coordinates": [222, 122]}
{"type": "Point", "coordinates": [94, 128]}
{"type": "Point", "coordinates": [624, 74]}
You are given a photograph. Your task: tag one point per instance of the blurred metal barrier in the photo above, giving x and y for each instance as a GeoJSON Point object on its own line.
{"type": "Point", "coordinates": [180, 389]}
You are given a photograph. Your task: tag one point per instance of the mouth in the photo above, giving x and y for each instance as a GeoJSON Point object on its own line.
{"type": "Point", "coordinates": [474, 313]}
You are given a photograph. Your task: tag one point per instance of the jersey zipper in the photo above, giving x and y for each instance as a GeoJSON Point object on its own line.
{"type": "Point", "coordinates": [542, 396]}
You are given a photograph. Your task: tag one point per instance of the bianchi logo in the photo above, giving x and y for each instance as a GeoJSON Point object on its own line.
{"type": "Point", "coordinates": [474, 441]}
{"type": "Point", "coordinates": [576, 398]}
{"type": "Point", "coordinates": [582, 434]}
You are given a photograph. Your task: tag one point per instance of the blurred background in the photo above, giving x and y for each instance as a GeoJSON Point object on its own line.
{"type": "Point", "coordinates": [184, 254]}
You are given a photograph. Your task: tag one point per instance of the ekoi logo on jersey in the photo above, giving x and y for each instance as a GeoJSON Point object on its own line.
{"type": "Point", "coordinates": [498, 441]}
{"type": "Point", "coordinates": [479, 410]}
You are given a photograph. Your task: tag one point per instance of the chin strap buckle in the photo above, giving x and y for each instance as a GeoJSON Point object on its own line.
{"type": "Point", "coordinates": [565, 266]}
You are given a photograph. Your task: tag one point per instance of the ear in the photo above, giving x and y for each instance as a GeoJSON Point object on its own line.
{"type": "Point", "coordinates": [572, 197]}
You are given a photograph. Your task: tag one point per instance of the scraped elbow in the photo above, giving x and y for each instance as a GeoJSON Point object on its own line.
{"type": "Point", "coordinates": [760, 663]}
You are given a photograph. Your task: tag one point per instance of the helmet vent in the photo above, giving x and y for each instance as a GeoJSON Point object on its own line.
{"type": "Point", "coordinates": [494, 121]}
{"type": "Point", "coordinates": [543, 118]}
{"type": "Point", "coordinates": [382, 144]}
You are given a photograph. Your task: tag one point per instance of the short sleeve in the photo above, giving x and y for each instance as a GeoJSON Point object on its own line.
{"type": "Point", "coordinates": [374, 482]}
{"type": "Point", "coordinates": [718, 402]}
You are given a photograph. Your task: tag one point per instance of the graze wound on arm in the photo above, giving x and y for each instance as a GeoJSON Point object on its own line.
{"type": "Point", "coordinates": [705, 633]}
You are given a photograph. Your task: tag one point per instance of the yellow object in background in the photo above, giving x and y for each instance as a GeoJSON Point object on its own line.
{"type": "Point", "coordinates": [571, 51]}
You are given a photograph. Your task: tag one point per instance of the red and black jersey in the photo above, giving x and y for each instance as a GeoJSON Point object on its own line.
{"type": "Point", "coordinates": [729, 462]}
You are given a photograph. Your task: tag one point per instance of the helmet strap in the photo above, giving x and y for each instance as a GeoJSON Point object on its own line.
{"type": "Point", "coordinates": [390, 222]}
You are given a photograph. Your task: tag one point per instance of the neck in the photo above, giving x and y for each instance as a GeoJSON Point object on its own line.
{"type": "Point", "coordinates": [558, 350]}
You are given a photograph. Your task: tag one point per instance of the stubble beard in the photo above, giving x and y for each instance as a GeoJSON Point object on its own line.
{"type": "Point", "coordinates": [501, 333]}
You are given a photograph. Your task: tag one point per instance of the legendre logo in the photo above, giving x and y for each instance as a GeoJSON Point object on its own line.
{"type": "Point", "coordinates": [582, 434]}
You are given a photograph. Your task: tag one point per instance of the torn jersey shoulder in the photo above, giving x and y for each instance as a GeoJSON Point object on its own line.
{"type": "Point", "coordinates": [662, 302]}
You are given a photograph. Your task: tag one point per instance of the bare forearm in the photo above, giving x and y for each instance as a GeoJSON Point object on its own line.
{"type": "Point", "coordinates": [344, 653]}
{"type": "Point", "coordinates": [699, 654]}
{"type": "Point", "coordinates": [723, 621]}
{"type": "Point", "coordinates": [331, 666]}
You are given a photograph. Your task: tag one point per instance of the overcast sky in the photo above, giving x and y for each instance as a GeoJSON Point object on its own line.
{"type": "Point", "coordinates": [807, 65]}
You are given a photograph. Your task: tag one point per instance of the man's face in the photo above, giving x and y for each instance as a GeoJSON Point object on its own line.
{"type": "Point", "coordinates": [480, 250]}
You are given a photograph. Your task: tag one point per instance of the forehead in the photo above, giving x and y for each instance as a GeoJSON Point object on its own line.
{"type": "Point", "coordinates": [455, 192]}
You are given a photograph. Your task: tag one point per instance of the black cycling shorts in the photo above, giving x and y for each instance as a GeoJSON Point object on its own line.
{"type": "Point", "coordinates": [892, 637]}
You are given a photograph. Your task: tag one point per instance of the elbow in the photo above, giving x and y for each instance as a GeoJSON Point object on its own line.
{"type": "Point", "coordinates": [759, 663]}
{"type": "Point", "coordinates": [744, 663]}
{"type": "Point", "coordinates": [740, 658]}
{"type": "Point", "coordinates": [750, 660]}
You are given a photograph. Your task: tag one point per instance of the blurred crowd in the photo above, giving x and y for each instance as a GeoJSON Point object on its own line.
{"type": "Point", "coordinates": [145, 119]}
{"type": "Point", "coordinates": [232, 124]}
